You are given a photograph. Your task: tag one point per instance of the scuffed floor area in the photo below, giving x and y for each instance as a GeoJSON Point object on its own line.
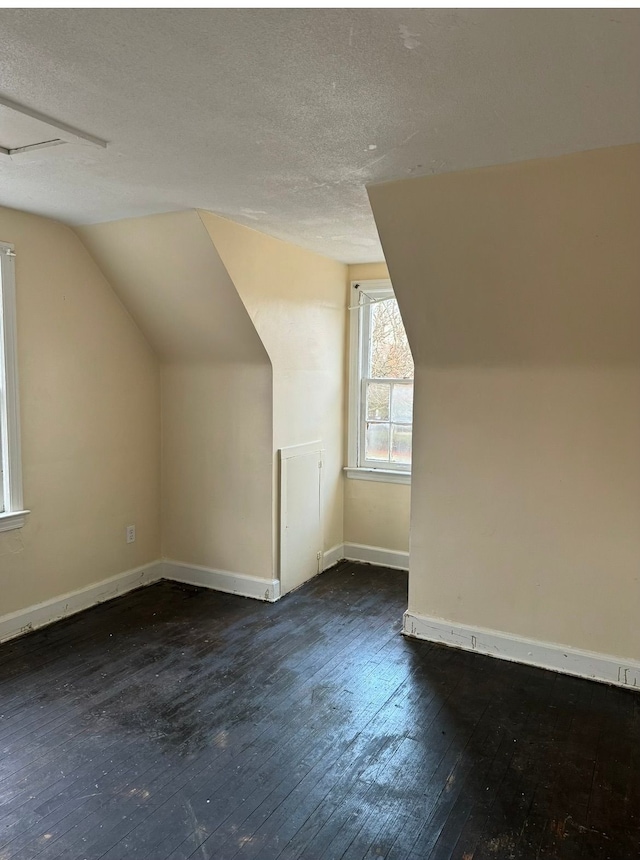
{"type": "Point", "coordinates": [181, 723]}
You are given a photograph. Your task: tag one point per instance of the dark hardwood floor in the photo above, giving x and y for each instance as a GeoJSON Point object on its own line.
{"type": "Point", "coordinates": [181, 723]}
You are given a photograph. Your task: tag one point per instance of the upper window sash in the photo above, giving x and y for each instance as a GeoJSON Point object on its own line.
{"type": "Point", "coordinates": [367, 298]}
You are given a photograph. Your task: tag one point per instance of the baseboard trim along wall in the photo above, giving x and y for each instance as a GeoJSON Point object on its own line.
{"type": "Point", "coordinates": [377, 555]}
{"type": "Point", "coordinates": [333, 556]}
{"type": "Point", "coordinates": [41, 614]}
{"type": "Point", "coordinates": [371, 554]}
{"type": "Point", "coordinates": [221, 580]}
{"type": "Point", "coordinates": [505, 646]}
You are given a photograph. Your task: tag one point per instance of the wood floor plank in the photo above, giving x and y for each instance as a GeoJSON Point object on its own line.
{"type": "Point", "coordinates": [150, 797]}
{"type": "Point", "coordinates": [82, 822]}
{"type": "Point", "coordinates": [176, 723]}
{"type": "Point", "coordinates": [420, 708]}
{"type": "Point", "coordinates": [312, 741]}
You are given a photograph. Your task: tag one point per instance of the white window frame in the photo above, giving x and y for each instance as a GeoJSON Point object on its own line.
{"type": "Point", "coordinates": [358, 339]}
{"type": "Point", "coordinates": [12, 513]}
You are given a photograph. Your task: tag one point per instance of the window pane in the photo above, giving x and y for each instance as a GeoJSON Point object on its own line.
{"type": "Point", "coordinates": [402, 403]}
{"type": "Point", "coordinates": [401, 444]}
{"type": "Point", "coordinates": [390, 356]}
{"type": "Point", "coordinates": [378, 401]}
{"type": "Point", "coordinates": [377, 442]}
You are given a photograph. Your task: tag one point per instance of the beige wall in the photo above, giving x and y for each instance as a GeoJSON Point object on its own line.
{"type": "Point", "coordinates": [251, 334]}
{"type": "Point", "coordinates": [216, 467]}
{"type": "Point", "coordinates": [375, 513]}
{"type": "Point", "coordinates": [296, 300]}
{"type": "Point", "coordinates": [217, 437]}
{"type": "Point", "coordinates": [519, 288]}
{"type": "Point", "coordinates": [368, 272]}
{"type": "Point", "coordinates": [90, 408]}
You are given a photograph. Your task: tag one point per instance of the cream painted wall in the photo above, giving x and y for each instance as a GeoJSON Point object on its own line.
{"type": "Point", "coordinates": [216, 471]}
{"type": "Point", "coordinates": [217, 436]}
{"type": "Point", "coordinates": [296, 300]}
{"type": "Point", "coordinates": [368, 272]}
{"type": "Point", "coordinates": [90, 409]}
{"type": "Point", "coordinates": [173, 282]}
{"type": "Point", "coordinates": [375, 513]}
{"type": "Point", "coordinates": [519, 289]}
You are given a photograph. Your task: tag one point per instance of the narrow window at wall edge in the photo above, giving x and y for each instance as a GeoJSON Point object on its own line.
{"type": "Point", "coordinates": [380, 386]}
{"type": "Point", "coordinates": [12, 513]}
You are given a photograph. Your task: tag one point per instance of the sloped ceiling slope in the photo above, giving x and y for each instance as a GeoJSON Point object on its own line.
{"type": "Point", "coordinates": [170, 277]}
{"type": "Point", "coordinates": [519, 287]}
{"type": "Point", "coordinates": [216, 389]}
{"type": "Point", "coordinates": [278, 118]}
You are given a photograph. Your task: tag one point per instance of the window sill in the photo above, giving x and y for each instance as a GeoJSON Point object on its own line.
{"type": "Point", "coordinates": [387, 476]}
{"type": "Point", "coordinates": [12, 520]}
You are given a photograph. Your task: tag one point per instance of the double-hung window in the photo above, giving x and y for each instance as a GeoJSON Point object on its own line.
{"type": "Point", "coordinates": [12, 514]}
{"type": "Point", "coordinates": [381, 386]}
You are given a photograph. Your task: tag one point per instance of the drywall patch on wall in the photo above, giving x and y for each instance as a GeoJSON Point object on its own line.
{"type": "Point", "coordinates": [559, 658]}
{"type": "Point", "coordinates": [410, 40]}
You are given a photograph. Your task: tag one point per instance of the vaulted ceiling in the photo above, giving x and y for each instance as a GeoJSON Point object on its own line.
{"type": "Point", "coordinates": [279, 118]}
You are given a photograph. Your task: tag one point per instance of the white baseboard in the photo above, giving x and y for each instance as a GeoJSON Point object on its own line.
{"type": "Point", "coordinates": [41, 614]}
{"type": "Point", "coordinates": [505, 646]}
{"type": "Point", "coordinates": [333, 556]}
{"type": "Point", "coordinates": [376, 555]}
{"type": "Point", "coordinates": [370, 554]}
{"type": "Point", "coordinates": [221, 580]}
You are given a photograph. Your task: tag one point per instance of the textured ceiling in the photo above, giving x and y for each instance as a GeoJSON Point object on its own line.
{"type": "Point", "coordinates": [278, 118]}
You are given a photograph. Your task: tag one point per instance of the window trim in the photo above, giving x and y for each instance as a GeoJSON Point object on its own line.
{"type": "Point", "coordinates": [357, 334]}
{"type": "Point", "coordinates": [387, 476]}
{"type": "Point", "coordinates": [13, 516]}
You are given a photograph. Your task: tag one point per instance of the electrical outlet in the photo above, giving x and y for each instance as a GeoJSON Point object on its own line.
{"type": "Point", "coordinates": [131, 534]}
